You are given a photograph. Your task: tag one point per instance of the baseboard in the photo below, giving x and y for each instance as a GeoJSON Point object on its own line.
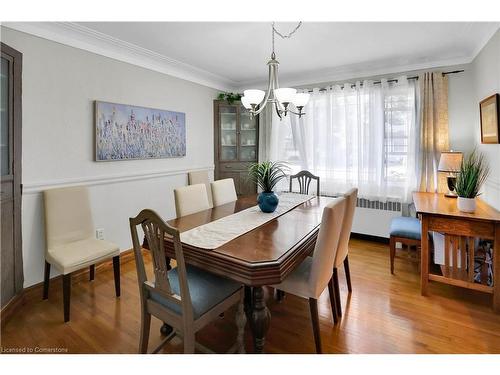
{"type": "Point", "coordinates": [14, 304]}
{"type": "Point", "coordinates": [369, 237]}
{"type": "Point", "coordinates": [34, 292]}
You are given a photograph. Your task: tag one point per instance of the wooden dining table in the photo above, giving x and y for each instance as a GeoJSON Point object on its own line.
{"type": "Point", "coordinates": [263, 256]}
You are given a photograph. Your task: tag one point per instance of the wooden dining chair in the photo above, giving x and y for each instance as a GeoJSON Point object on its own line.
{"type": "Point", "coordinates": [185, 297]}
{"type": "Point", "coordinates": [190, 199]}
{"type": "Point", "coordinates": [223, 191]}
{"type": "Point", "coordinates": [70, 241]}
{"type": "Point", "coordinates": [314, 274]}
{"type": "Point", "coordinates": [304, 179]}
{"type": "Point", "coordinates": [407, 231]}
{"type": "Point", "coordinates": [201, 177]}
{"type": "Point", "coordinates": [342, 253]}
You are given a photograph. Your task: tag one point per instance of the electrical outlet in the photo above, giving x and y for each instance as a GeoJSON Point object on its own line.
{"type": "Point", "coordinates": [99, 233]}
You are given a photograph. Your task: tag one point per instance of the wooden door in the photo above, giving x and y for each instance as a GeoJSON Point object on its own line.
{"type": "Point", "coordinates": [10, 160]}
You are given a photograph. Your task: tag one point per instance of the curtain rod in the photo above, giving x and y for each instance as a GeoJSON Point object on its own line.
{"type": "Point", "coordinates": [394, 80]}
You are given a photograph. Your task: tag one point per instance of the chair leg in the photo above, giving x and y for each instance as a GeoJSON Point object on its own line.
{"type": "Point", "coordinates": [46, 280]}
{"type": "Point", "coordinates": [333, 302]}
{"type": "Point", "coordinates": [116, 271]}
{"type": "Point", "coordinates": [392, 248]}
{"type": "Point", "coordinates": [347, 273]}
{"type": "Point", "coordinates": [313, 306]}
{"type": "Point", "coordinates": [279, 295]}
{"type": "Point", "coordinates": [66, 295]}
{"type": "Point", "coordinates": [337, 291]}
{"type": "Point", "coordinates": [189, 342]}
{"type": "Point", "coordinates": [145, 328]}
{"type": "Point", "coordinates": [92, 272]}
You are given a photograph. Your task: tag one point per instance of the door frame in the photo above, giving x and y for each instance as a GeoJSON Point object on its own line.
{"type": "Point", "coordinates": [16, 132]}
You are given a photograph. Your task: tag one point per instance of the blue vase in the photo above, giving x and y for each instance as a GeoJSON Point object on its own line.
{"type": "Point", "coordinates": [267, 202]}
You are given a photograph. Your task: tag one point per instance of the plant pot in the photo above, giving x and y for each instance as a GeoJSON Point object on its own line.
{"type": "Point", "coordinates": [267, 202]}
{"type": "Point", "coordinates": [466, 204]}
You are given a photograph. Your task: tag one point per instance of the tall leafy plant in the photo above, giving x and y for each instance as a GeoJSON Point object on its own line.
{"type": "Point", "coordinates": [267, 174]}
{"type": "Point", "coordinates": [474, 171]}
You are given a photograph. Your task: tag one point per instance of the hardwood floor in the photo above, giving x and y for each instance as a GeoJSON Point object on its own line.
{"type": "Point", "coordinates": [384, 314]}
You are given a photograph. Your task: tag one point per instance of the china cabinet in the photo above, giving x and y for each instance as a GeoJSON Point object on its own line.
{"type": "Point", "coordinates": [236, 142]}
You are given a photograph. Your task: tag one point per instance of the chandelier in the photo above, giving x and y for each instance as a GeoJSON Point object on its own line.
{"type": "Point", "coordinates": [284, 99]}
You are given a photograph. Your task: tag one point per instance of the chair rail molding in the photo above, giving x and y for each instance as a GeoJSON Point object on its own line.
{"type": "Point", "coordinates": [38, 187]}
{"type": "Point", "coordinates": [81, 37]}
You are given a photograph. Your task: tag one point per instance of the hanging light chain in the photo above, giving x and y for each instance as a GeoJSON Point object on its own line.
{"type": "Point", "coordinates": [287, 36]}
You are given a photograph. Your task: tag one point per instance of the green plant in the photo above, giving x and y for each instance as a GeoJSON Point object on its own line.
{"type": "Point", "coordinates": [267, 174]}
{"type": "Point", "coordinates": [473, 173]}
{"type": "Point", "coordinates": [229, 97]}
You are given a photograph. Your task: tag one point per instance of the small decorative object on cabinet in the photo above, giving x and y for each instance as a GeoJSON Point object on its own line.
{"type": "Point", "coordinates": [236, 139]}
{"type": "Point", "coordinates": [473, 173]}
{"type": "Point", "coordinates": [267, 174]}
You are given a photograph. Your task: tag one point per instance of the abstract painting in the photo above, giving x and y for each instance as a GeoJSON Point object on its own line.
{"type": "Point", "coordinates": [124, 132]}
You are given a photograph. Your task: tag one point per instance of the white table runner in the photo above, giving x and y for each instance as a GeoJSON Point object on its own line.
{"type": "Point", "coordinates": [216, 233]}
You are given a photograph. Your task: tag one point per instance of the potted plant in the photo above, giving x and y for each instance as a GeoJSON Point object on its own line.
{"type": "Point", "coordinates": [473, 173]}
{"type": "Point", "coordinates": [267, 174]}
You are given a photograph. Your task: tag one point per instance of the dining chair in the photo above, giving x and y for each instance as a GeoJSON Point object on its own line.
{"type": "Point", "coordinates": [342, 253]}
{"type": "Point", "coordinates": [223, 191]}
{"type": "Point", "coordinates": [190, 199]}
{"type": "Point", "coordinates": [201, 177]}
{"type": "Point", "coordinates": [304, 179]}
{"type": "Point", "coordinates": [70, 241]}
{"type": "Point", "coordinates": [405, 230]}
{"type": "Point", "coordinates": [314, 274]}
{"type": "Point", "coordinates": [185, 297]}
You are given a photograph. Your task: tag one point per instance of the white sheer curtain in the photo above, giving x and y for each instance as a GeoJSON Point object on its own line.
{"type": "Point", "coordinates": [364, 136]}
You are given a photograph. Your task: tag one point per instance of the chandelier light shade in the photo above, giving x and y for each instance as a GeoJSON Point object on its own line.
{"type": "Point", "coordinates": [283, 99]}
{"type": "Point", "coordinates": [285, 95]}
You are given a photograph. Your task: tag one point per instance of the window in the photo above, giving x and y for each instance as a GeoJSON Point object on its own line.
{"type": "Point", "coordinates": [362, 136]}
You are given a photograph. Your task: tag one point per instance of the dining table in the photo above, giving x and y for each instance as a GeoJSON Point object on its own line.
{"type": "Point", "coordinates": [263, 256]}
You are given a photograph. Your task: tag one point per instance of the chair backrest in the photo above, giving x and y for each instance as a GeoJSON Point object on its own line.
{"type": "Point", "coordinates": [156, 231]}
{"type": "Point", "coordinates": [304, 179]}
{"type": "Point", "coordinates": [223, 191]}
{"type": "Point", "coordinates": [201, 177]}
{"type": "Point", "coordinates": [190, 199]}
{"type": "Point", "coordinates": [351, 198]}
{"type": "Point", "coordinates": [68, 216]}
{"type": "Point", "coordinates": [326, 245]}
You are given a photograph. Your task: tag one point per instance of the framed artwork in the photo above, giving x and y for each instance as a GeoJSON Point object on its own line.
{"type": "Point", "coordinates": [125, 132]}
{"type": "Point", "coordinates": [490, 119]}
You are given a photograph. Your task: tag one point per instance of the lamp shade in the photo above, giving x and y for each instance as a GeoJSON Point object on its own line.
{"type": "Point", "coordinates": [285, 95]}
{"type": "Point", "coordinates": [450, 161]}
{"type": "Point", "coordinates": [254, 96]}
{"type": "Point", "coordinates": [301, 99]}
{"type": "Point", "coordinates": [245, 102]}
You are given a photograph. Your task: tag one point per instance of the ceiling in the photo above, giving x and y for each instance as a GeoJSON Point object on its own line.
{"type": "Point", "coordinates": [235, 53]}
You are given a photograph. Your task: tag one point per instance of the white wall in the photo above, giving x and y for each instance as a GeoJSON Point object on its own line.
{"type": "Point", "coordinates": [486, 75]}
{"type": "Point", "coordinates": [60, 84]}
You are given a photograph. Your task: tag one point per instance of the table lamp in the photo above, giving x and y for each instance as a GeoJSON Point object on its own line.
{"type": "Point", "coordinates": [450, 162]}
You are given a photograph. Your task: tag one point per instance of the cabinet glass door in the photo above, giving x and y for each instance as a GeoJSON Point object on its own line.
{"type": "Point", "coordinates": [228, 132]}
{"type": "Point", "coordinates": [4, 118]}
{"type": "Point", "coordinates": [248, 136]}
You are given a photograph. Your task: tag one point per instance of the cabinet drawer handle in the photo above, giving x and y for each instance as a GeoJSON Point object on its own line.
{"type": "Point", "coordinates": [228, 167]}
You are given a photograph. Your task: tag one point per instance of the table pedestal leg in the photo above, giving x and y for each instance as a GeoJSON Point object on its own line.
{"type": "Point", "coordinates": [259, 319]}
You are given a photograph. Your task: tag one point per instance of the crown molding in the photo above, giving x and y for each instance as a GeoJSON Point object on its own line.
{"type": "Point", "coordinates": [81, 37]}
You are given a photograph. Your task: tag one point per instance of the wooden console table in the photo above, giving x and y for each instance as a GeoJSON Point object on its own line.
{"type": "Point", "coordinates": [440, 214]}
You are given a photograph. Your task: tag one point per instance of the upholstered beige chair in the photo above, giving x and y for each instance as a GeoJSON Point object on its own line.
{"type": "Point", "coordinates": [343, 249]}
{"type": "Point", "coordinates": [201, 177]}
{"type": "Point", "coordinates": [314, 274]}
{"type": "Point", "coordinates": [223, 191]}
{"type": "Point", "coordinates": [70, 240]}
{"type": "Point", "coordinates": [190, 199]}
{"type": "Point", "coordinates": [185, 297]}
